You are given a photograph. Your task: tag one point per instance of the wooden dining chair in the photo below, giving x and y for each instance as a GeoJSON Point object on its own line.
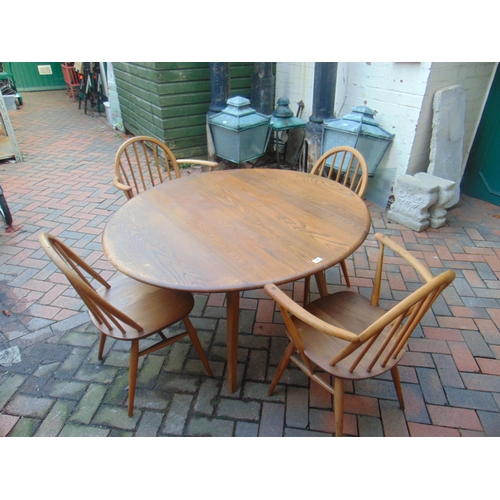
{"type": "Point", "coordinates": [347, 166]}
{"type": "Point", "coordinates": [143, 162]}
{"type": "Point", "coordinates": [350, 337]}
{"type": "Point", "coordinates": [71, 79]}
{"type": "Point", "coordinates": [126, 309]}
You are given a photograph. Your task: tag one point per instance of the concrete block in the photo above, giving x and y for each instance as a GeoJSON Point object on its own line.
{"type": "Point", "coordinates": [413, 198]}
{"type": "Point", "coordinates": [446, 191]}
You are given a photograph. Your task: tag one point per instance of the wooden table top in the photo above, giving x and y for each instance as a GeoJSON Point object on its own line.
{"type": "Point", "coordinates": [235, 230]}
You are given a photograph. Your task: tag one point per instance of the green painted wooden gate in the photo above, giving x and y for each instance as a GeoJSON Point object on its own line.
{"type": "Point", "coordinates": [482, 174]}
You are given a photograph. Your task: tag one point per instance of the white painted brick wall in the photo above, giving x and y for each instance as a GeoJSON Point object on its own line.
{"type": "Point", "coordinates": [396, 91]}
{"type": "Point", "coordinates": [296, 81]}
{"type": "Point", "coordinates": [402, 95]}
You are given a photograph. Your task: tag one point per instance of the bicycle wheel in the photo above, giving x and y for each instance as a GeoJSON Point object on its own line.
{"type": "Point", "coordinates": [4, 208]}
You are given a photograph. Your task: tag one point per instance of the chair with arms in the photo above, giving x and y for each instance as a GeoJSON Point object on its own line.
{"type": "Point", "coordinates": [347, 166]}
{"type": "Point", "coordinates": [126, 309]}
{"type": "Point", "coordinates": [143, 162]}
{"type": "Point", "coordinates": [349, 336]}
{"type": "Point", "coordinates": [70, 79]}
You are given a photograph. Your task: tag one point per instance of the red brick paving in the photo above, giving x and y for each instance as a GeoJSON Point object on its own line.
{"type": "Point", "coordinates": [454, 417]}
{"type": "Point", "coordinates": [423, 430]}
{"type": "Point", "coordinates": [64, 186]}
{"type": "Point", "coordinates": [464, 359]}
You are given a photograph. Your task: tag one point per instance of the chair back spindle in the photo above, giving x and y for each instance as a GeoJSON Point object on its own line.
{"type": "Point", "coordinates": [144, 162]}
{"type": "Point", "coordinates": [73, 267]}
{"type": "Point", "coordinates": [345, 165]}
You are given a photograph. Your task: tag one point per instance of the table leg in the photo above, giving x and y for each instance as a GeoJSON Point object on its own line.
{"type": "Point", "coordinates": [233, 313]}
{"type": "Point", "coordinates": [321, 282]}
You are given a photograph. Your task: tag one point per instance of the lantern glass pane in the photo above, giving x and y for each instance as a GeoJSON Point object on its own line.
{"type": "Point", "coordinates": [373, 150]}
{"type": "Point", "coordinates": [242, 146]}
{"type": "Point", "coordinates": [335, 138]}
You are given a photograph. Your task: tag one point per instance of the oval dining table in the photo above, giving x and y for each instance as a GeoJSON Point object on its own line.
{"type": "Point", "coordinates": [235, 230]}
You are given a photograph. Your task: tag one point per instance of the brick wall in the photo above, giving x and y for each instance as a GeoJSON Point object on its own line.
{"type": "Point", "coordinates": [396, 91]}
{"type": "Point", "coordinates": [295, 80]}
{"type": "Point", "coordinates": [401, 93]}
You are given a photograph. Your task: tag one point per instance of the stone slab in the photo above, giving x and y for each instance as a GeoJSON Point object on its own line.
{"type": "Point", "coordinates": [447, 141]}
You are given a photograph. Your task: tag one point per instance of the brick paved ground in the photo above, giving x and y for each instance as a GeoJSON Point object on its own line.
{"type": "Point", "coordinates": [451, 374]}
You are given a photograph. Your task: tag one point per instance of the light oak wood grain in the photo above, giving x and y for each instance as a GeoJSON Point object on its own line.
{"type": "Point", "coordinates": [350, 337]}
{"type": "Point", "coordinates": [126, 309]}
{"type": "Point", "coordinates": [234, 230]}
{"type": "Point", "coordinates": [351, 171]}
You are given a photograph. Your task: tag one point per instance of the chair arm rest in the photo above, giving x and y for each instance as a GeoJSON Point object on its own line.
{"type": "Point", "coordinates": [121, 186]}
{"type": "Point", "coordinates": [413, 261]}
{"type": "Point", "coordinates": [299, 312]}
{"type": "Point", "coordinates": [203, 163]}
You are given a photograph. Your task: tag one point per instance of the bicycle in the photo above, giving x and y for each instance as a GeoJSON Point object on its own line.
{"type": "Point", "coordinates": [4, 209]}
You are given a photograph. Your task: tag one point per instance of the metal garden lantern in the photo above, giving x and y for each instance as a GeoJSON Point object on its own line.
{"type": "Point", "coordinates": [289, 132]}
{"type": "Point", "coordinates": [239, 132]}
{"type": "Point", "coordinates": [359, 130]}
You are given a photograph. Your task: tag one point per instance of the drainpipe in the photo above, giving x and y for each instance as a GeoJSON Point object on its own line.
{"type": "Point", "coordinates": [220, 88]}
{"type": "Point", "coordinates": [262, 97]}
{"type": "Point", "coordinates": [325, 79]}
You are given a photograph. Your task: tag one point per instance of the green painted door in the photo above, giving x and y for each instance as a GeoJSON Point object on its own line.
{"type": "Point", "coordinates": [482, 173]}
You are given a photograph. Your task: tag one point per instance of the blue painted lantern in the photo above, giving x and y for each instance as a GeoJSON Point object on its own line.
{"type": "Point", "coordinates": [359, 130]}
{"type": "Point", "coordinates": [239, 132]}
{"type": "Point", "coordinates": [289, 132]}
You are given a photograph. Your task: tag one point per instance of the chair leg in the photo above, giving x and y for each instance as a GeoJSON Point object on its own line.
{"type": "Point", "coordinates": [132, 376]}
{"type": "Point", "coordinates": [285, 359]}
{"type": "Point", "coordinates": [397, 385]}
{"type": "Point", "coordinates": [307, 288]}
{"type": "Point", "coordinates": [338, 406]}
{"type": "Point", "coordinates": [344, 271]}
{"type": "Point", "coordinates": [197, 345]}
{"type": "Point", "coordinates": [102, 342]}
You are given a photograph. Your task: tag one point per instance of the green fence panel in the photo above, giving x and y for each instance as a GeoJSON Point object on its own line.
{"type": "Point", "coordinates": [34, 76]}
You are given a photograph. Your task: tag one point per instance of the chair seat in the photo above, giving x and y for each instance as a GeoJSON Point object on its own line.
{"type": "Point", "coordinates": [350, 311]}
{"type": "Point", "coordinates": [145, 304]}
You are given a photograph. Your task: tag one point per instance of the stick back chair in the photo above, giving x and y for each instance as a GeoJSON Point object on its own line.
{"type": "Point", "coordinates": [71, 79]}
{"type": "Point", "coordinates": [349, 336]}
{"type": "Point", "coordinates": [126, 309]}
{"type": "Point", "coordinates": [143, 162]}
{"type": "Point", "coordinates": [347, 166]}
